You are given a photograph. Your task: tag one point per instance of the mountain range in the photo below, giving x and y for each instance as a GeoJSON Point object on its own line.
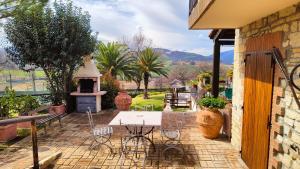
{"type": "Point", "coordinates": [175, 56]}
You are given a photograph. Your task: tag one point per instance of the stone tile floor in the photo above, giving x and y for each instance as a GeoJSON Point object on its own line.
{"type": "Point", "coordinates": [74, 139]}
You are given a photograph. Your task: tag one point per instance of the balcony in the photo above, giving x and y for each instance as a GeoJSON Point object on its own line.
{"type": "Point", "coordinates": [212, 14]}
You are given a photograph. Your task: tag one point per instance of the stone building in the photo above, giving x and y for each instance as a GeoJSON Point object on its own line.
{"type": "Point", "coordinates": [265, 116]}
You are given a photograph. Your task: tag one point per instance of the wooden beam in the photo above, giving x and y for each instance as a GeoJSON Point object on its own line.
{"type": "Point", "coordinates": [216, 69]}
{"type": "Point", "coordinates": [35, 152]}
{"type": "Point", "coordinates": [22, 119]}
{"type": "Point", "coordinates": [226, 42]}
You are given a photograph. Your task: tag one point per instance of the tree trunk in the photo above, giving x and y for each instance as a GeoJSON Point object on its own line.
{"type": "Point", "coordinates": [146, 80]}
{"type": "Point", "coordinates": [68, 88]}
{"type": "Point", "coordinates": [138, 86]}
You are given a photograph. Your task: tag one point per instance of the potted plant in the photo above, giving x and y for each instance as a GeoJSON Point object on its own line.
{"type": "Point", "coordinates": [8, 110]}
{"type": "Point", "coordinates": [26, 104]}
{"type": "Point", "coordinates": [12, 106]}
{"type": "Point", "coordinates": [56, 97]}
{"type": "Point", "coordinates": [210, 119]}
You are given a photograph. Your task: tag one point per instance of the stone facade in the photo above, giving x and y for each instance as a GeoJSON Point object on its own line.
{"type": "Point", "coordinates": [285, 133]}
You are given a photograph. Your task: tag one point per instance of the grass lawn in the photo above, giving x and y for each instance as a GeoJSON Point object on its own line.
{"type": "Point", "coordinates": [156, 99]}
{"type": "Point", "coordinates": [21, 73]}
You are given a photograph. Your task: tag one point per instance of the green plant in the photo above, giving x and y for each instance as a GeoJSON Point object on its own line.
{"type": "Point", "coordinates": [149, 63]}
{"type": "Point", "coordinates": [23, 132]}
{"type": "Point", "coordinates": [27, 103]}
{"type": "Point", "coordinates": [212, 103]}
{"type": "Point", "coordinates": [111, 86]}
{"type": "Point", "coordinates": [115, 59]}
{"type": "Point", "coordinates": [11, 7]}
{"type": "Point", "coordinates": [56, 39]}
{"type": "Point", "coordinates": [207, 87]}
{"type": "Point", "coordinates": [12, 105]}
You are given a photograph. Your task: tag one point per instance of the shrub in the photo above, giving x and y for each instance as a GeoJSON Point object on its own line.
{"type": "Point", "coordinates": [11, 105]}
{"type": "Point", "coordinates": [212, 103]}
{"type": "Point", "coordinates": [55, 39]}
{"type": "Point", "coordinates": [112, 88]}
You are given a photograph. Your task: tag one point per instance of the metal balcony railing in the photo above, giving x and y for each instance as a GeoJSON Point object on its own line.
{"type": "Point", "coordinates": [192, 4]}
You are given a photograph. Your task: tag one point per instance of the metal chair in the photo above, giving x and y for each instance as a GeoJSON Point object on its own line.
{"type": "Point", "coordinates": [149, 107]}
{"type": "Point", "coordinates": [100, 135]}
{"type": "Point", "coordinates": [133, 146]}
{"type": "Point", "coordinates": [171, 135]}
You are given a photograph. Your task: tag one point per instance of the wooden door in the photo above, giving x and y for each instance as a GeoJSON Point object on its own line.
{"type": "Point", "coordinates": [258, 89]}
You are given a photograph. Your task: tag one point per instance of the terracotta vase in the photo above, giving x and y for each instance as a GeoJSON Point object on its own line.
{"type": "Point", "coordinates": [8, 132]}
{"type": "Point", "coordinates": [210, 122]}
{"type": "Point", "coordinates": [57, 109]}
{"type": "Point", "coordinates": [123, 101]}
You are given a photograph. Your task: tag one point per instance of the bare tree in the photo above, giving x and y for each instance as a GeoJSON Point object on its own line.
{"type": "Point", "coordinates": [183, 72]}
{"type": "Point", "coordinates": [137, 44]}
{"type": "Point", "coordinates": [140, 41]}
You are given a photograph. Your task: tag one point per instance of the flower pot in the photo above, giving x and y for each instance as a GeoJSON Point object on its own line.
{"type": "Point", "coordinates": [60, 109]}
{"type": "Point", "coordinates": [123, 101]}
{"type": "Point", "coordinates": [210, 122]}
{"type": "Point", "coordinates": [24, 125]}
{"type": "Point", "coordinates": [8, 132]}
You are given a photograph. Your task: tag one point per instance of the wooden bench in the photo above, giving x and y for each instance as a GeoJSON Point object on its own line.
{"type": "Point", "coordinates": [43, 122]}
{"type": "Point", "coordinates": [49, 120]}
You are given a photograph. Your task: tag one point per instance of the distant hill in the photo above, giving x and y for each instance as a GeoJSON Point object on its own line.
{"type": "Point", "coordinates": [6, 63]}
{"type": "Point", "coordinates": [226, 57]}
{"type": "Point", "coordinates": [182, 56]}
{"type": "Point", "coordinates": [175, 56]}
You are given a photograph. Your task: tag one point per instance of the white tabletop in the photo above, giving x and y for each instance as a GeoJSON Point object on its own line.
{"type": "Point", "coordinates": [149, 118]}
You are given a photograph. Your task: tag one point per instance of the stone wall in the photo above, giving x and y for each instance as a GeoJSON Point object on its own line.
{"type": "Point", "coordinates": [285, 133]}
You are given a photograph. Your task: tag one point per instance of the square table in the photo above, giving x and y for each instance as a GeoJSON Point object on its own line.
{"type": "Point", "coordinates": [146, 118]}
{"type": "Point", "coordinates": [138, 119]}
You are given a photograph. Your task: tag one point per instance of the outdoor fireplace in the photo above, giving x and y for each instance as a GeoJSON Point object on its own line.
{"type": "Point", "coordinates": [88, 94]}
{"type": "Point", "coordinates": [87, 85]}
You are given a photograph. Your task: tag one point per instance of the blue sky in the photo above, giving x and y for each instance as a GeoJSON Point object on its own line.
{"type": "Point", "coordinates": [163, 21]}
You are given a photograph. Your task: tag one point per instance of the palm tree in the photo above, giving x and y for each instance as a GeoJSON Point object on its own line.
{"type": "Point", "coordinates": [149, 63]}
{"type": "Point", "coordinates": [114, 59]}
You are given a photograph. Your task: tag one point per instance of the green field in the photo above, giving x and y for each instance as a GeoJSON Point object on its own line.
{"type": "Point", "coordinates": [22, 81]}
{"type": "Point", "coordinates": [21, 73]}
{"type": "Point", "coordinates": [156, 99]}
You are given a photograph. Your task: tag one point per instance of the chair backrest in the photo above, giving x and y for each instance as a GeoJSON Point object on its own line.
{"type": "Point", "coordinates": [90, 116]}
{"type": "Point", "coordinates": [148, 107]}
{"type": "Point", "coordinates": [144, 108]}
{"type": "Point", "coordinates": [171, 124]}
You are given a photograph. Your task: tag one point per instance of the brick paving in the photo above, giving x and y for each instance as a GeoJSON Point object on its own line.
{"type": "Point", "coordinates": [74, 139]}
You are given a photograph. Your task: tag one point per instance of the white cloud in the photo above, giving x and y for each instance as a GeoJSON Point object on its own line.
{"type": "Point", "coordinates": [163, 21]}
{"type": "Point", "coordinates": [202, 51]}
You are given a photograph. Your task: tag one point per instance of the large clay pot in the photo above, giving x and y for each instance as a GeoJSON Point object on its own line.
{"type": "Point", "coordinates": [24, 125]}
{"type": "Point", "coordinates": [123, 101]}
{"type": "Point", "coordinates": [57, 109]}
{"type": "Point", "coordinates": [210, 122]}
{"type": "Point", "coordinates": [8, 132]}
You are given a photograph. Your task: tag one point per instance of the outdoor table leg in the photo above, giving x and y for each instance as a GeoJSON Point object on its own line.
{"type": "Point", "coordinates": [34, 145]}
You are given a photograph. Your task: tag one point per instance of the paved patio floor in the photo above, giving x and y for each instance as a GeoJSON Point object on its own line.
{"type": "Point", "coordinates": [74, 139]}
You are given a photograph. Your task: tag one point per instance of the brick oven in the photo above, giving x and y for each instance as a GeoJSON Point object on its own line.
{"type": "Point", "coordinates": [88, 92]}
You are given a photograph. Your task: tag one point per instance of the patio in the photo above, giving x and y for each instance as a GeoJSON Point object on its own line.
{"type": "Point", "coordinates": [74, 139]}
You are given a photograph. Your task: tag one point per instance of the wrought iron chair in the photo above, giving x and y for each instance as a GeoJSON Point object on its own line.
{"type": "Point", "coordinates": [171, 135]}
{"type": "Point", "coordinates": [149, 107]}
{"type": "Point", "coordinates": [100, 135]}
{"type": "Point", "coordinates": [133, 147]}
